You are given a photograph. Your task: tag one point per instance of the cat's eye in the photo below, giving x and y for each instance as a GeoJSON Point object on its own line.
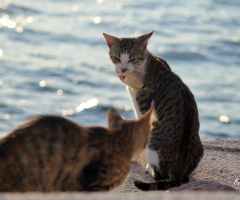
{"type": "Point", "coordinates": [132, 60]}
{"type": "Point", "coordinates": [116, 59]}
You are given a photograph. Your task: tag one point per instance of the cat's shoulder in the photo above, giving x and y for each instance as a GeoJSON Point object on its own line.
{"type": "Point", "coordinates": [101, 131]}
{"type": "Point", "coordinates": [49, 119]}
{"type": "Point", "coordinates": [157, 60]}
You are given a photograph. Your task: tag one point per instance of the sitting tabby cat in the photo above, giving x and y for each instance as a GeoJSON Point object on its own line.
{"type": "Point", "coordinates": [51, 153]}
{"type": "Point", "coordinates": [174, 149]}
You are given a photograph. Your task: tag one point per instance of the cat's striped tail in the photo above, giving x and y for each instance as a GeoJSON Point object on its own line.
{"type": "Point", "coordinates": [156, 185]}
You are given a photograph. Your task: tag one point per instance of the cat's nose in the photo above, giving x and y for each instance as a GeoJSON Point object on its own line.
{"type": "Point", "coordinates": [123, 70]}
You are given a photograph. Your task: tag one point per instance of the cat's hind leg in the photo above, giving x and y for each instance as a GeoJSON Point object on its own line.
{"type": "Point", "coordinates": [176, 175]}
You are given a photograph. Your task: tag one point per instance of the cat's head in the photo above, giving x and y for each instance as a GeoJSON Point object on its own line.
{"type": "Point", "coordinates": [128, 54]}
{"type": "Point", "coordinates": [135, 131]}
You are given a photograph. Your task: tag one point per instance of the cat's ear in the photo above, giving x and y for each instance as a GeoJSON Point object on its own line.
{"type": "Point", "coordinates": [111, 40]}
{"type": "Point", "coordinates": [114, 119]}
{"type": "Point", "coordinates": [150, 117]}
{"type": "Point", "coordinates": [142, 41]}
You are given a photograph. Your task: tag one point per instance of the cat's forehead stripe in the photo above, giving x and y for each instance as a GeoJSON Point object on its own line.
{"type": "Point", "coordinates": [130, 45]}
{"type": "Point", "coordinates": [126, 44]}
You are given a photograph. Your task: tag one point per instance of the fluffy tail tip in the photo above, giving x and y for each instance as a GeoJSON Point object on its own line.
{"type": "Point", "coordinates": [157, 185]}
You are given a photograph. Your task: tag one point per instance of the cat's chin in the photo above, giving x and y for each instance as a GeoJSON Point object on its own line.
{"type": "Point", "coordinates": [122, 78]}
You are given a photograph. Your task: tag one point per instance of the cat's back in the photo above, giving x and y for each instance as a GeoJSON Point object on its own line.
{"type": "Point", "coordinates": [42, 141]}
{"type": "Point", "coordinates": [38, 154]}
{"type": "Point", "coordinates": [45, 127]}
{"type": "Point", "coordinates": [164, 82]}
{"type": "Point", "coordinates": [174, 103]}
{"type": "Point", "coordinates": [173, 86]}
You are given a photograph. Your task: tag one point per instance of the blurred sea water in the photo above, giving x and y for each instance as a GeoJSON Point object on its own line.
{"type": "Point", "coordinates": [54, 59]}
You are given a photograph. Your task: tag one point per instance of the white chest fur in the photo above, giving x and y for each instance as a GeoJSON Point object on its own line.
{"type": "Point", "coordinates": [136, 108]}
{"type": "Point", "coordinates": [137, 112]}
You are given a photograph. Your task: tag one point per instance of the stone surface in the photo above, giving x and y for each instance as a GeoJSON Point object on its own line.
{"type": "Point", "coordinates": [124, 196]}
{"type": "Point", "coordinates": [220, 166]}
{"type": "Point", "coordinates": [203, 186]}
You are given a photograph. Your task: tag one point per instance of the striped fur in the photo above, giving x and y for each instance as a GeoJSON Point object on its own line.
{"type": "Point", "coordinates": [175, 137]}
{"type": "Point", "coordinates": [51, 153]}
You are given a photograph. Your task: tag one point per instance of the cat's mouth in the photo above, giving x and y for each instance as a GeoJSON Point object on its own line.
{"type": "Point", "coordinates": [122, 78]}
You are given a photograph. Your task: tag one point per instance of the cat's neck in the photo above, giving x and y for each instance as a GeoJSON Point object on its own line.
{"type": "Point", "coordinates": [153, 61]}
{"type": "Point", "coordinates": [126, 141]}
{"type": "Point", "coordinates": [154, 65]}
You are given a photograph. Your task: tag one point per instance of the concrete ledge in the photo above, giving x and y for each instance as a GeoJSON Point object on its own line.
{"type": "Point", "coordinates": [219, 169]}
{"type": "Point", "coordinates": [231, 145]}
{"type": "Point", "coordinates": [221, 162]}
{"type": "Point", "coordinates": [124, 196]}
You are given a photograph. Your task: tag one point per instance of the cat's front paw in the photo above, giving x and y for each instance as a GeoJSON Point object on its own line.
{"type": "Point", "coordinates": [150, 170]}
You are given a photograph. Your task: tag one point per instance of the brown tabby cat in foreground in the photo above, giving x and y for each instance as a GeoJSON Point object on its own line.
{"type": "Point", "coordinates": [174, 149]}
{"type": "Point", "coordinates": [51, 153]}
